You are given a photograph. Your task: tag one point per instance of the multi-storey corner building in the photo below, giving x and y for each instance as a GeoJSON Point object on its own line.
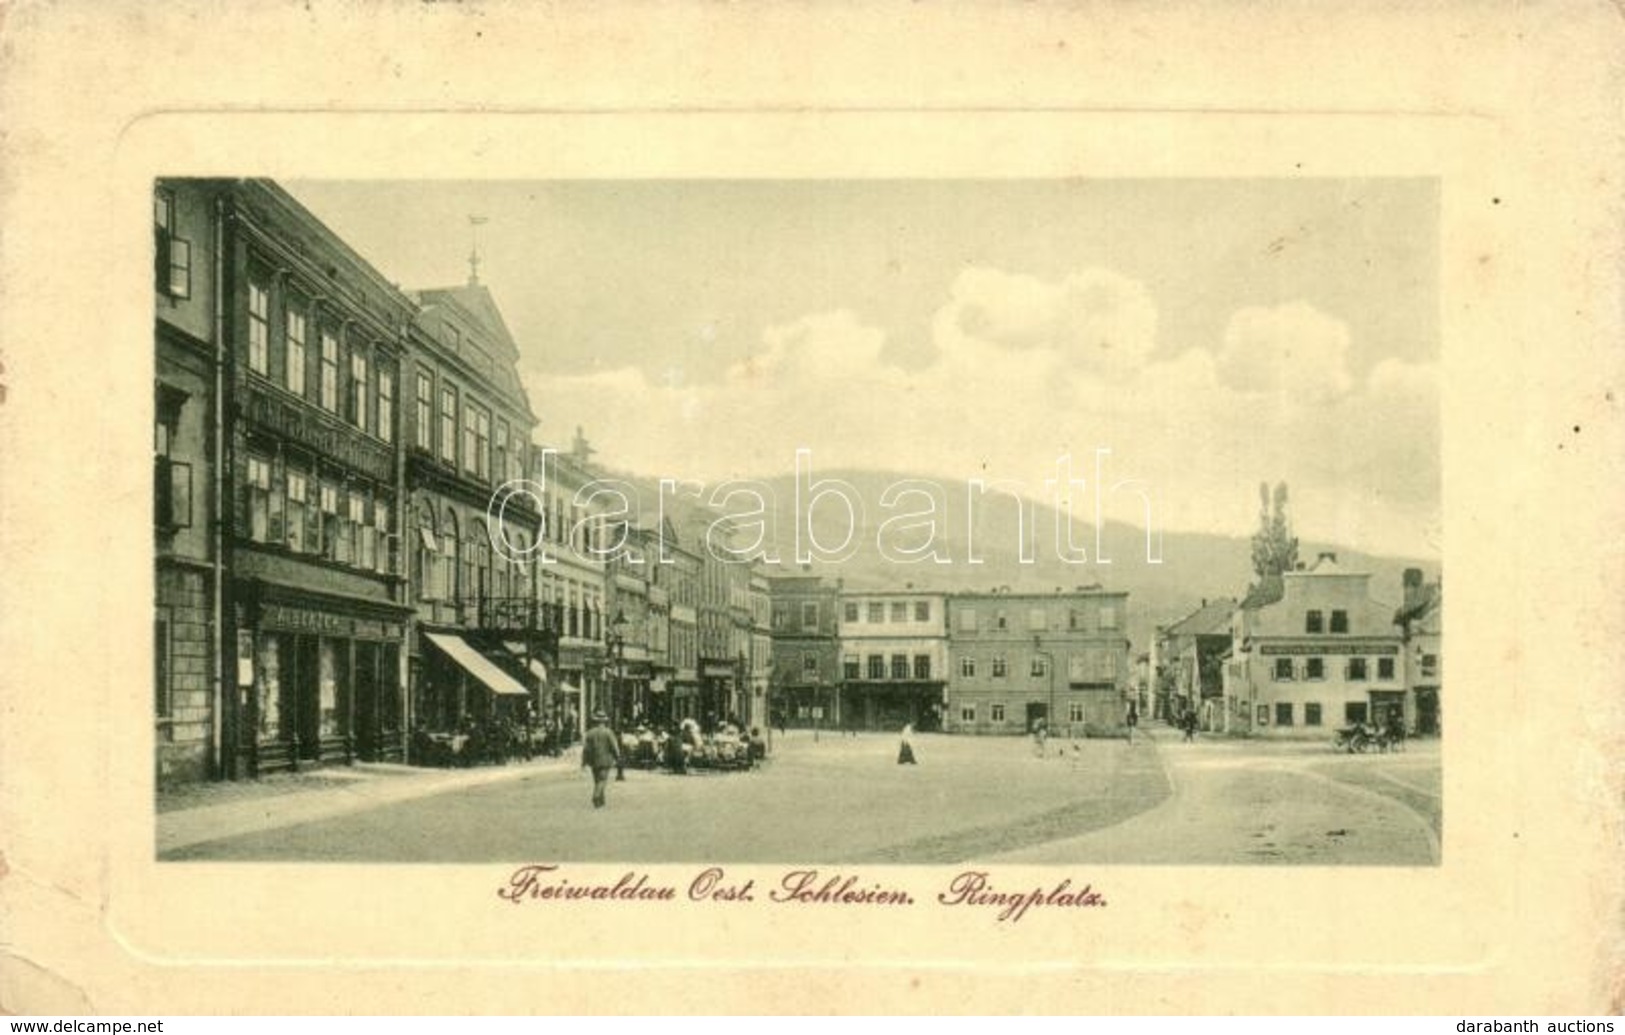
{"type": "Point", "coordinates": [806, 672]}
{"type": "Point", "coordinates": [1018, 658]}
{"type": "Point", "coordinates": [1323, 655]}
{"type": "Point", "coordinates": [894, 659]}
{"type": "Point", "coordinates": [282, 609]}
{"type": "Point", "coordinates": [481, 642]}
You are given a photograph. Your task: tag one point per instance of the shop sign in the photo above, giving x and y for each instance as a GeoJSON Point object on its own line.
{"type": "Point", "coordinates": [1329, 648]}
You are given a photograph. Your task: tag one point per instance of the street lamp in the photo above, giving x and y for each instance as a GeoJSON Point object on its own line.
{"type": "Point", "coordinates": [615, 640]}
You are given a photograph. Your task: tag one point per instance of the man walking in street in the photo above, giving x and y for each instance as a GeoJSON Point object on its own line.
{"type": "Point", "coordinates": [600, 753]}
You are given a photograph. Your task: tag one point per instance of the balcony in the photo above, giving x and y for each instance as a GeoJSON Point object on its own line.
{"type": "Point", "coordinates": [517, 615]}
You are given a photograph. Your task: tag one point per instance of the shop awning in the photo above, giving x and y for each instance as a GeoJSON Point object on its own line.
{"type": "Point", "coordinates": [518, 650]}
{"type": "Point", "coordinates": [476, 664]}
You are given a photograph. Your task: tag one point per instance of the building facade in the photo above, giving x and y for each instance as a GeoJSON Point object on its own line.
{"type": "Point", "coordinates": [1322, 656]}
{"type": "Point", "coordinates": [1190, 662]}
{"type": "Point", "coordinates": [1018, 658]}
{"type": "Point", "coordinates": [187, 436]}
{"type": "Point", "coordinates": [806, 670]}
{"type": "Point", "coordinates": [480, 643]}
{"type": "Point", "coordinates": [894, 660]}
{"type": "Point", "coordinates": [312, 491]}
{"type": "Point", "coordinates": [1421, 624]}
{"type": "Point", "coordinates": [572, 579]}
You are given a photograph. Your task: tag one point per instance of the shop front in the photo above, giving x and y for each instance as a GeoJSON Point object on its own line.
{"type": "Point", "coordinates": [318, 680]}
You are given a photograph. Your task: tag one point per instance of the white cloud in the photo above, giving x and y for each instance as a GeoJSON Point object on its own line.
{"type": "Point", "coordinates": [1293, 350]}
{"type": "Point", "coordinates": [1095, 320]}
{"type": "Point", "coordinates": [1008, 399]}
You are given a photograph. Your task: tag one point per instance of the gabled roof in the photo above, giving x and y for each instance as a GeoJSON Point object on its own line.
{"type": "Point", "coordinates": [1211, 619]}
{"type": "Point", "coordinates": [476, 302]}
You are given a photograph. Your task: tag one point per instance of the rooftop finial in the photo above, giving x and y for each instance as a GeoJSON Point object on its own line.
{"type": "Point", "coordinates": [474, 223]}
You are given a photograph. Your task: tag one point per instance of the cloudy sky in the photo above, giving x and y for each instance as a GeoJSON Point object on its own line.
{"type": "Point", "coordinates": [1210, 333]}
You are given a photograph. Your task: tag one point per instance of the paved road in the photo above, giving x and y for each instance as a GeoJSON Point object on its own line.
{"type": "Point", "coordinates": [845, 800]}
{"type": "Point", "coordinates": [840, 799]}
{"type": "Point", "coordinates": [1251, 802]}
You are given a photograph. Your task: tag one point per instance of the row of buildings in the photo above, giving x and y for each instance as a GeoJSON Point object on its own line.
{"type": "Point", "coordinates": [1303, 653]}
{"type": "Point", "coordinates": [332, 579]}
{"type": "Point", "coordinates": [990, 662]}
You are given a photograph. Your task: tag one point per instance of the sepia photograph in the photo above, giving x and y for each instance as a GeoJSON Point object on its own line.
{"type": "Point", "coordinates": [805, 509]}
{"type": "Point", "coordinates": [1073, 521]}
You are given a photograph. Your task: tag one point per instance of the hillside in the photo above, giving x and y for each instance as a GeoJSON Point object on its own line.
{"type": "Point", "coordinates": [982, 550]}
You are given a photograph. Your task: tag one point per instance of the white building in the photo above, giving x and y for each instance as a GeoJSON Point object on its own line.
{"type": "Point", "coordinates": [1322, 655]}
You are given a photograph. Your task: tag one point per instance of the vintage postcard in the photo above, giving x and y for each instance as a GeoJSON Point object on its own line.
{"type": "Point", "coordinates": [815, 544]}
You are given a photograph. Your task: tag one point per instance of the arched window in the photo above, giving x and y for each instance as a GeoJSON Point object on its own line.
{"type": "Point", "coordinates": [478, 584]}
{"type": "Point", "coordinates": [426, 554]}
{"type": "Point", "coordinates": [520, 567]}
{"type": "Point", "coordinates": [450, 551]}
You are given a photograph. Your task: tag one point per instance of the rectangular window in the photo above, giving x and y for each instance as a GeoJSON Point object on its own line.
{"type": "Point", "coordinates": [328, 544]}
{"type": "Point", "coordinates": [500, 448]}
{"type": "Point", "coordinates": [1263, 715]}
{"type": "Point", "coordinates": [363, 554]}
{"type": "Point", "coordinates": [1283, 713]}
{"type": "Point", "coordinates": [295, 324]}
{"type": "Point", "coordinates": [259, 498]}
{"type": "Point", "coordinates": [1385, 668]}
{"type": "Point", "coordinates": [877, 613]}
{"type": "Point", "coordinates": [298, 503]}
{"type": "Point", "coordinates": [1356, 670]}
{"type": "Point", "coordinates": [851, 667]}
{"type": "Point", "coordinates": [922, 666]}
{"type": "Point", "coordinates": [448, 424]}
{"type": "Point", "coordinates": [877, 666]}
{"type": "Point", "coordinates": [259, 329]}
{"type": "Point", "coordinates": [1000, 669]}
{"type": "Point", "coordinates": [899, 610]}
{"type": "Point", "coordinates": [1283, 670]}
{"type": "Point", "coordinates": [478, 446]}
{"type": "Point", "coordinates": [1074, 711]}
{"type": "Point", "coordinates": [851, 611]}
{"type": "Point", "coordinates": [996, 712]}
{"type": "Point", "coordinates": [359, 384]}
{"type": "Point", "coordinates": [1038, 668]}
{"type": "Point", "coordinates": [386, 404]}
{"type": "Point", "coordinates": [967, 619]}
{"type": "Point", "coordinates": [899, 666]}
{"type": "Point", "coordinates": [1001, 621]}
{"type": "Point", "coordinates": [1340, 621]}
{"type": "Point", "coordinates": [174, 253]}
{"type": "Point", "coordinates": [1037, 620]}
{"type": "Point", "coordinates": [922, 610]}
{"type": "Point", "coordinates": [1314, 668]}
{"type": "Point", "coordinates": [809, 616]}
{"type": "Point", "coordinates": [1430, 665]}
{"type": "Point", "coordinates": [425, 413]}
{"type": "Point", "coordinates": [1353, 712]}
{"type": "Point", "coordinates": [1311, 714]}
{"type": "Point", "coordinates": [809, 663]}
{"type": "Point", "coordinates": [330, 371]}
{"type": "Point", "coordinates": [1108, 618]}
{"type": "Point", "coordinates": [967, 713]}
{"type": "Point", "coordinates": [967, 667]}
{"type": "Point", "coordinates": [1312, 622]}
{"type": "Point", "coordinates": [385, 549]}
